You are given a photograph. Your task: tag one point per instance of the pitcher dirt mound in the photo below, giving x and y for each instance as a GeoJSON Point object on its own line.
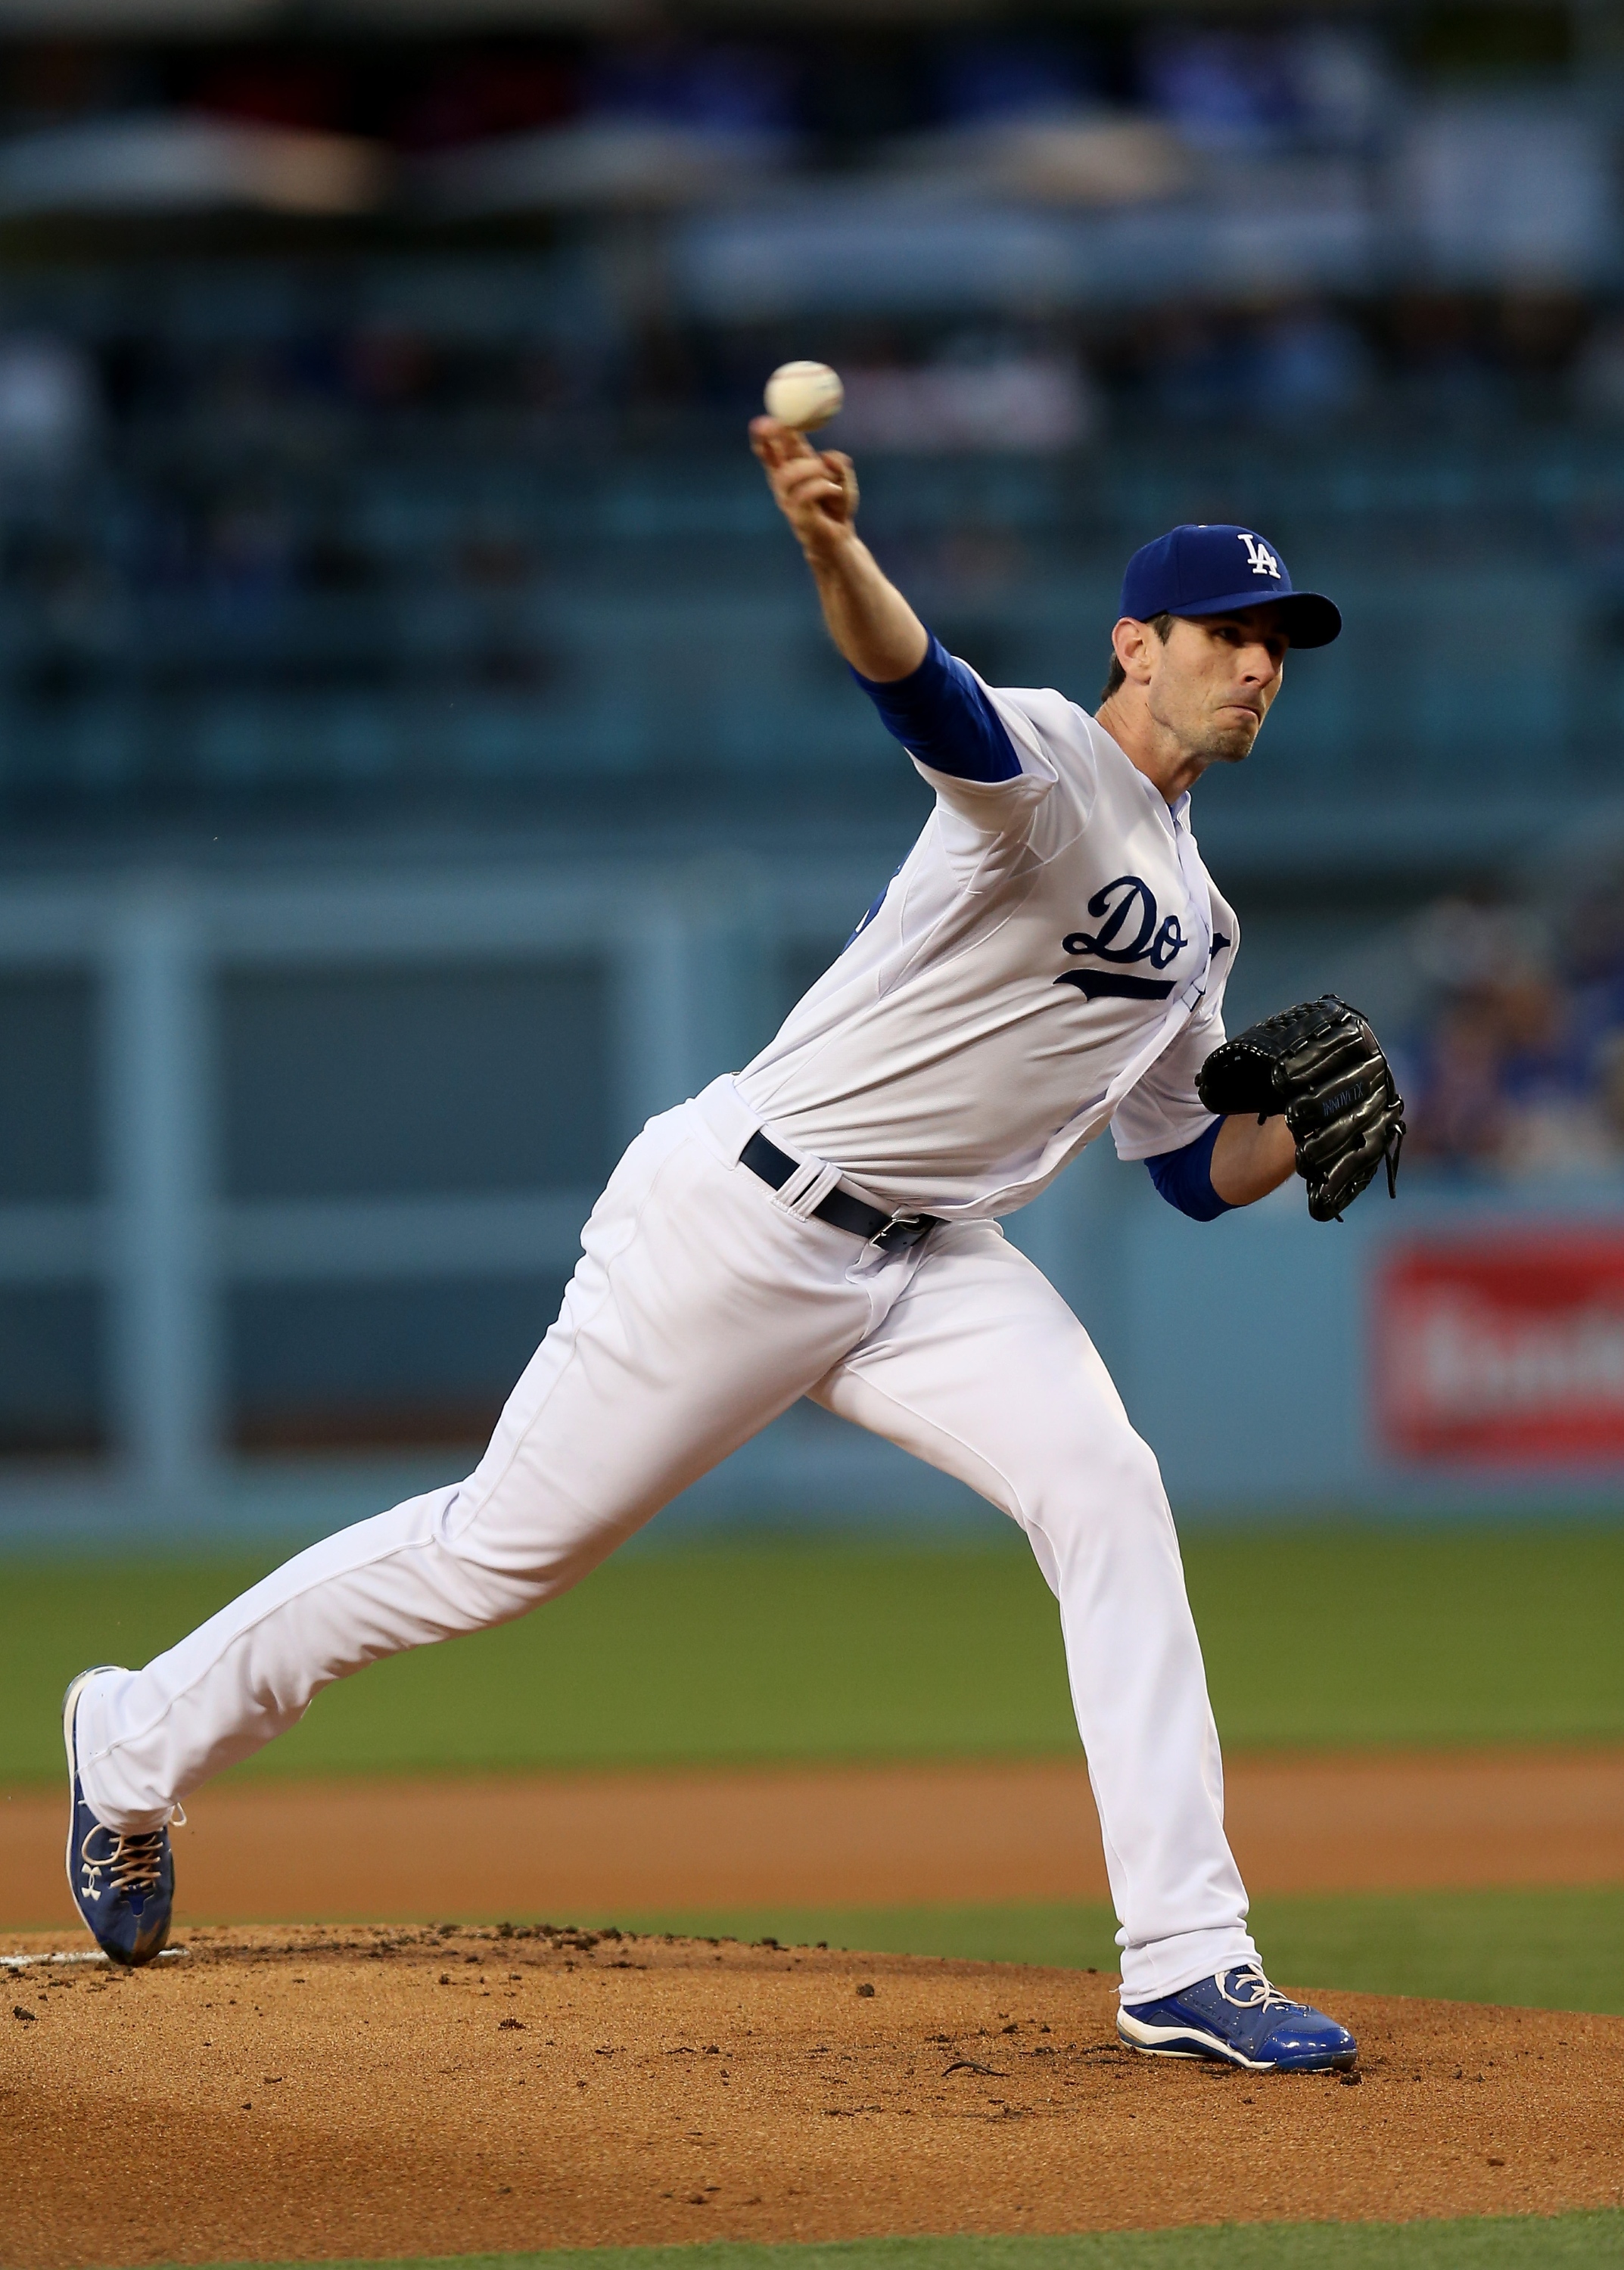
{"type": "Point", "coordinates": [295, 2095]}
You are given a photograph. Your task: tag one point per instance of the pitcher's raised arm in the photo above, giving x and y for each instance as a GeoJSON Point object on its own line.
{"type": "Point", "coordinates": [868, 620]}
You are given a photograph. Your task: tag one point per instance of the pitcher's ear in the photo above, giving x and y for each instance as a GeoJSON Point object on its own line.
{"type": "Point", "coordinates": [1136, 648]}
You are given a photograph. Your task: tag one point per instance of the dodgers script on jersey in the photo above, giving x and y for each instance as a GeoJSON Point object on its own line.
{"type": "Point", "coordinates": [1051, 955]}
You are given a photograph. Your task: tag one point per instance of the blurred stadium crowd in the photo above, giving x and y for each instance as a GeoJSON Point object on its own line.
{"type": "Point", "coordinates": [368, 406]}
{"type": "Point", "coordinates": [1005, 236]}
{"type": "Point", "coordinates": [243, 281]}
{"type": "Point", "coordinates": [376, 528]}
{"type": "Point", "coordinates": [1518, 1069]}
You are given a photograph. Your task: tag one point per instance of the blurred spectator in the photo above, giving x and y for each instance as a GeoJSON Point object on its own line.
{"type": "Point", "coordinates": [977, 80]}
{"type": "Point", "coordinates": [1222, 89]}
{"type": "Point", "coordinates": [293, 89]}
{"type": "Point", "coordinates": [664, 123]}
{"type": "Point", "coordinates": [1490, 191]}
{"type": "Point", "coordinates": [389, 367]}
{"type": "Point", "coordinates": [1309, 362]}
{"type": "Point", "coordinates": [1446, 362]}
{"type": "Point", "coordinates": [1457, 1114]}
{"type": "Point", "coordinates": [1195, 366]}
{"type": "Point", "coordinates": [1249, 92]}
{"type": "Point", "coordinates": [1553, 1122]}
{"type": "Point", "coordinates": [1520, 1070]}
{"type": "Point", "coordinates": [1538, 332]}
{"type": "Point", "coordinates": [48, 404]}
{"type": "Point", "coordinates": [1295, 363]}
{"type": "Point", "coordinates": [490, 92]}
{"type": "Point", "coordinates": [1343, 85]}
{"type": "Point", "coordinates": [986, 395]}
{"type": "Point", "coordinates": [250, 558]}
{"type": "Point", "coordinates": [726, 89]}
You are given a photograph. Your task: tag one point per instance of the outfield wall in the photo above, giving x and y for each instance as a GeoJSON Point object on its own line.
{"type": "Point", "coordinates": [1257, 1354]}
{"type": "Point", "coordinates": [303, 1161]}
{"type": "Point", "coordinates": [1456, 1349]}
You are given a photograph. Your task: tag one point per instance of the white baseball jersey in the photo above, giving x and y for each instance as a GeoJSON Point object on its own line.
{"type": "Point", "coordinates": [1051, 956]}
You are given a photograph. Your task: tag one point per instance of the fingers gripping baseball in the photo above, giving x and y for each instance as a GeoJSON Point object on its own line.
{"type": "Point", "coordinates": [815, 490]}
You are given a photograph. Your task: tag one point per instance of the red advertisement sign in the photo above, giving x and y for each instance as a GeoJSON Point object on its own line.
{"type": "Point", "coordinates": [1510, 1347]}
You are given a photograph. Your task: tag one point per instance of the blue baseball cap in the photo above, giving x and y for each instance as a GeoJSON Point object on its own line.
{"type": "Point", "coordinates": [1216, 568]}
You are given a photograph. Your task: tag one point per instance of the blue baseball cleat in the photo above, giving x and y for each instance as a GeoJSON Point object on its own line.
{"type": "Point", "coordinates": [1237, 2018]}
{"type": "Point", "coordinates": [123, 1885]}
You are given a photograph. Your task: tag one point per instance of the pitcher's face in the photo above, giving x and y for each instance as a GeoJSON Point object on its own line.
{"type": "Point", "coordinates": [1212, 682]}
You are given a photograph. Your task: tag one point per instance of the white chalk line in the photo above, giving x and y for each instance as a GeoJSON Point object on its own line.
{"type": "Point", "coordinates": [91, 1954]}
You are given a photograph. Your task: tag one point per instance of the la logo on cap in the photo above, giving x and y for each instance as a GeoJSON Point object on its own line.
{"type": "Point", "coordinates": [1192, 570]}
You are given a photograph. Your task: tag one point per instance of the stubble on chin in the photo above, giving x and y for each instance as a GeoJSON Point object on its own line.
{"type": "Point", "coordinates": [1228, 744]}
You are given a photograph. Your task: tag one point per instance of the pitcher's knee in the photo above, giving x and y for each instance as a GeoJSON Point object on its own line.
{"type": "Point", "coordinates": [1090, 1489]}
{"type": "Point", "coordinates": [508, 1567]}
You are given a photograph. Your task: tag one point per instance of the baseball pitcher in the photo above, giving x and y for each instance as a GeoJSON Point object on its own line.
{"type": "Point", "coordinates": [1049, 960]}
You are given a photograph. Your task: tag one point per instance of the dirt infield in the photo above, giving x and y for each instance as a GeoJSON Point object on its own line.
{"type": "Point", "coordinates": [360, 2093]}
{"type": "Point", "coordinates": [1014, 1829]}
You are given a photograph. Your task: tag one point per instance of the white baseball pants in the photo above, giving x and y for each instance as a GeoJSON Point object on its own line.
{"type": "Point", "coordinates": [704, 1305]}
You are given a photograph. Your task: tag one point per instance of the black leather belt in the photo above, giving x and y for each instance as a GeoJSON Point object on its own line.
{"type": "Point", "coordinates": [893, 1233]}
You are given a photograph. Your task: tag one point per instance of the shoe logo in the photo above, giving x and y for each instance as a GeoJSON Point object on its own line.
{"type": "Point", "coordinates": [134, 1864]}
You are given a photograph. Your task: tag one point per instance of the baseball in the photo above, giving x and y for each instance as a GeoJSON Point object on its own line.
{"type": "Point", "coordinates": [805, 395]}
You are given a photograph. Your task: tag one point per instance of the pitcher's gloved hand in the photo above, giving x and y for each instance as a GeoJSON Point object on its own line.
{"type": "Point", "coordinates": [1321, 1066]}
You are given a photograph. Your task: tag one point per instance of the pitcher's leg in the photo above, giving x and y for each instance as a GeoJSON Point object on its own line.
{"type": "Point", "coordinates": [700, 1309]}
{"type": "Point", "coordinates": [983, 1370]}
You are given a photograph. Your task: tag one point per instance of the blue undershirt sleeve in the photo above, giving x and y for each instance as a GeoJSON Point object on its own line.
{"type": "Point", "coordinates": [941, 715]}
{"type": "Point", "coordinates": [1185, 1178]}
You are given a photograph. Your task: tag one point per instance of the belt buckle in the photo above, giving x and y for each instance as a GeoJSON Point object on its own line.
{"type": "Point", "coordinates": [894, 1237]}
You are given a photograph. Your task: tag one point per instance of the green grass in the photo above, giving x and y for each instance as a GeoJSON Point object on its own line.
{"type": "Point", "coordinates": [1553, 1950]}
{"type": "Point", "coordinates": [1563, 2242]}
{"type": "Point", "coordinates": [782, 1650]}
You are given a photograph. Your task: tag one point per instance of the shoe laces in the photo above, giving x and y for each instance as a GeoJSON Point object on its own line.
{"type": "Point", "coordinates": [1258, 1994]}
{"type": "Point", "coordinates": [130, 1863]}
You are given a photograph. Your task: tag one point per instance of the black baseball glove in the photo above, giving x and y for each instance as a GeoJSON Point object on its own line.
{"type": "Point", "coordinates": [1321, 1066]}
